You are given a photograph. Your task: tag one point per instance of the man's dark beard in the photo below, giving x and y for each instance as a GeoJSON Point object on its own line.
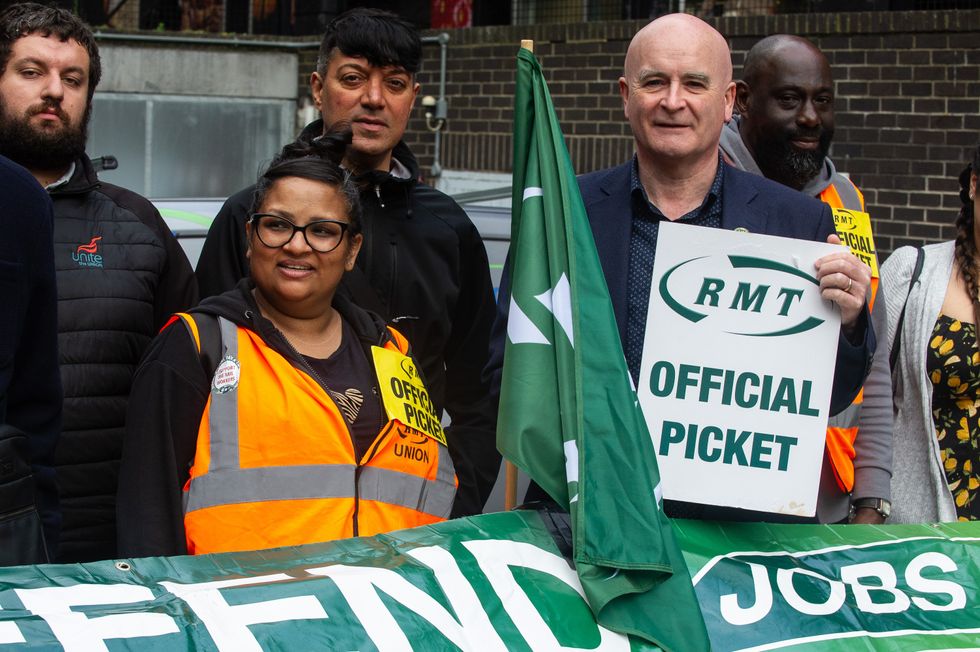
{"type": "Point", "coordinates": [780, 161]}
{"type": "Point", "coordinates": [37, 150]}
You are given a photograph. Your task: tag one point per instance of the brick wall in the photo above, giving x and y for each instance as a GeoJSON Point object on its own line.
{"type": "Point", "coordinates": [908, 101]}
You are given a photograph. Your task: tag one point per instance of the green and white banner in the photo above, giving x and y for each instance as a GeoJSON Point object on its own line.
{"type": "Point", "coordinates": [501, 582]}
{"type": "Point", "coordinates": [821, 588]}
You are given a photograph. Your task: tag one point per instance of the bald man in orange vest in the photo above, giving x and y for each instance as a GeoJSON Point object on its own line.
{"type": "Point", "coordinates": [783, 131]}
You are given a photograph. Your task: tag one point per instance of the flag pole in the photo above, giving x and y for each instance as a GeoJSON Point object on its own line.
{"type": "Point", "coordinates": [510, 485]}
{"type": "Point", "coordinates": [510, 471]}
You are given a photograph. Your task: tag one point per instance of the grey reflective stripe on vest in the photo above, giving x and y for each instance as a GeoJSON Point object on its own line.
{"type": "Point", "coordinates": [846, 419]}
{"type": "Point", "coordinates": [223, 421]}
{"type": "Point", "coordinates": [848, 195]}
{"type": "Point", "coordinates": [433, 497]}
{"type": "Point", "coordinates": [232, 486]}
{"type": "Point", "coordinates": [225, 483]}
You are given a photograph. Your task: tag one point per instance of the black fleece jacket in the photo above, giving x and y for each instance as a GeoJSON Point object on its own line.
{"type": "Point", "coordinates": [423, 267]}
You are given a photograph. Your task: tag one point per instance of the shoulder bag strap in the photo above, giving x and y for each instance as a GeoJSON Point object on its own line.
{"type": "Point", "coordinates": [893, 358]}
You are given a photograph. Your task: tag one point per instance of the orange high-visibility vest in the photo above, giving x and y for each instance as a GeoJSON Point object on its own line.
{"type": "Point", "coordinates": [842, 429]}
{"type": "Point", "coordinates": [275, 464]}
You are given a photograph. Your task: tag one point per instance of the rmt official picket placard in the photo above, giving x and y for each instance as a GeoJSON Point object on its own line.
{"type": "Point", "coordinates": [737, 368]}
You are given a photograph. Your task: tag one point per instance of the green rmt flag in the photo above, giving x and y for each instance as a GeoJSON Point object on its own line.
{"type": "Point", "coordinates": [568, 412]}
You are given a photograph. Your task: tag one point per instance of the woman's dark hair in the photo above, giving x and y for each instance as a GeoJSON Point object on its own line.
{"type": "Point", "coordinates": [316, 160]}
{"type": "Point", "coordinates": [965, 246]}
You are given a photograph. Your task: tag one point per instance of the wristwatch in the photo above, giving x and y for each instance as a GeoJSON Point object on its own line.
{"type": "Point", "coordinates": [880, 505]}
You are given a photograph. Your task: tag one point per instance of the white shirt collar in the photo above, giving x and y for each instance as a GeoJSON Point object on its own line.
{"type": "Point", "coordinates": [398, 170]}
{"type": "Point", "coordinates": [63, 180]}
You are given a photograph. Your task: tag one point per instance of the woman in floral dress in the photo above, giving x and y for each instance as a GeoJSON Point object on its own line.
{"type": "Point", "coordinates": [936, 379]}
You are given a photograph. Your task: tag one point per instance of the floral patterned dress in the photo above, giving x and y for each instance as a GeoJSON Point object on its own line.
{"type": "Point", "coordinates": [953, 364]}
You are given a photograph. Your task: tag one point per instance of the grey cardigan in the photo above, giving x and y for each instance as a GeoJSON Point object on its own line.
{"type": "Point", "coordinates": [919, 490]}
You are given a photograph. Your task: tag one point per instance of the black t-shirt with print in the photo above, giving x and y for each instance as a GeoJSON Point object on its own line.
{"type": "Point", "coordinates": [350, 381]}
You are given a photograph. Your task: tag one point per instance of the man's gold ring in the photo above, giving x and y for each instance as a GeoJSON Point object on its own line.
{"type": "Point", "coordinates": [849, 283]}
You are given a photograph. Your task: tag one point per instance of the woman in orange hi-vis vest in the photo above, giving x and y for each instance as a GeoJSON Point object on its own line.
{"type": "Point", "coordinates": [279, 413]}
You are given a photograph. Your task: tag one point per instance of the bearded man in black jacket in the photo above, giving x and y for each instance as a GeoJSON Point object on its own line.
{"type": "Point", "coordinates": [423, 266]}
{"type": "Point", "coordinates": [120, 272]}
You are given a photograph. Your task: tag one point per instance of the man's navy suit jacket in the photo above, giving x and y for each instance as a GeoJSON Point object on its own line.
{"type": "Point", "coordinates": [749, 201]}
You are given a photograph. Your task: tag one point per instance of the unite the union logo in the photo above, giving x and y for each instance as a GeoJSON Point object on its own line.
{"type": "Point", "coordinates": [87, 255]}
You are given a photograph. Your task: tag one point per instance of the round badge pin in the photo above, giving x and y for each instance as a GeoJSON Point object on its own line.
{"type": "Point", "coordinates": [226, 375]}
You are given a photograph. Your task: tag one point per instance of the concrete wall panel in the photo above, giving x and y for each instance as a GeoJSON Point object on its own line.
{"type": "Point", "coordinates": [177, 69]}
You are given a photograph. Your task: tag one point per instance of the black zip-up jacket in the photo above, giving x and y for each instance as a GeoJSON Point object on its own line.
{"type": "Point", "coordinates": [422, 267]}
{"type": "Point", "coordinates": [120, 275]}
{"type": "Point", "coordinates": [170, 390]}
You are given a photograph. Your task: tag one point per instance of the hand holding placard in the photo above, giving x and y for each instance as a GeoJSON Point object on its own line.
{"type": "Point", "coordinates": [846, 281]}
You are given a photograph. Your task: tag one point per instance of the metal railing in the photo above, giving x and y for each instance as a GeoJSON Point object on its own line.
{"type": "Point", "coordinates": [527, 12]}
{"type": "Point", "coordinates": [309, 17]}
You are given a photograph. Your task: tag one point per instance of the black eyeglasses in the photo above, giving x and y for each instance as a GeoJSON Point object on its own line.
{"type": "Point", "coordinates": [274, 232]}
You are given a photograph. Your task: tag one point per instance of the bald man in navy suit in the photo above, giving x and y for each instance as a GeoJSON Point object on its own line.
{"type": "Point", "coordinates": [678, 93]}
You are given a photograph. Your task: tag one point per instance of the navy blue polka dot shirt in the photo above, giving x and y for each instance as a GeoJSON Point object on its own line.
{"type": "Point", "coordinates": [643, 246]}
